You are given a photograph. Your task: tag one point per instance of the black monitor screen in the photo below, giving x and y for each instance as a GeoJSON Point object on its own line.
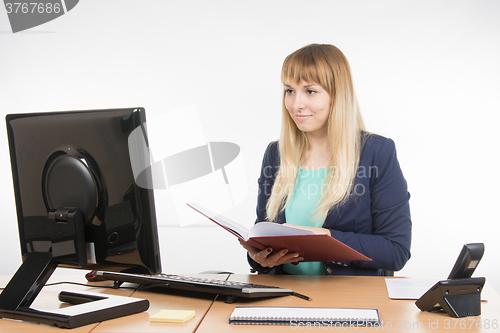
{"type": "Point", "coordinates": [75, 189]}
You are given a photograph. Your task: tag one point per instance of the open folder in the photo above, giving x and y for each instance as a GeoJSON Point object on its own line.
{"type": "Point", "coordinates": [310, 245]}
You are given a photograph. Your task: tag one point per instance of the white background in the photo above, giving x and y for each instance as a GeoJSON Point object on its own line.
{"type": "Point", "coordinates": [426, 73]}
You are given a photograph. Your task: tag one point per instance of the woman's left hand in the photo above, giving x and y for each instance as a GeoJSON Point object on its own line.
{"type": "Point", "coordinates": [270, 258]}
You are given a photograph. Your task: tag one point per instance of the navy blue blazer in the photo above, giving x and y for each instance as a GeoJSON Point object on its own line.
{"type": "Point", "coordinates": [375, 220]}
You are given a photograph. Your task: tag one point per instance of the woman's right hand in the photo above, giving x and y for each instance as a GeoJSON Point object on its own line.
{"type": "Point", "coordinates": [267, 258]}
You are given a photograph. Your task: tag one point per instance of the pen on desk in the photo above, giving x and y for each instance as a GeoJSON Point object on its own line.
{"type": "Point", "coordinates": [307, 298]}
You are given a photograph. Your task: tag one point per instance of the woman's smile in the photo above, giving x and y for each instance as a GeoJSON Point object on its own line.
{"type": "Point", "coordinates": [302, 117]}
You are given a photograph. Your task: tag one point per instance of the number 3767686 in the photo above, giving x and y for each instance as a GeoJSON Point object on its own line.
{"type": "Point", "coordinates": [471, 323]}
{"type": "Point", "coordinates": [33, 7]}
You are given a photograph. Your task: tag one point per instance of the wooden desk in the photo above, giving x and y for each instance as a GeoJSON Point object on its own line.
{"type": "Point", "coordinates": [212, 316]}
{"type": "Point", "coordinates": [160, 299]}
{"type": "Point", "coordinates": [349, 292]}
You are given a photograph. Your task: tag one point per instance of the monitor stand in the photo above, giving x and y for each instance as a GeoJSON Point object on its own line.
{"type": "Point", "coordinates": [26, 284]}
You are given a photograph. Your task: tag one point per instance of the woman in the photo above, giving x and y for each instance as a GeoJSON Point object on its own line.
{"type": "Point", "coordinates": [328, 175]}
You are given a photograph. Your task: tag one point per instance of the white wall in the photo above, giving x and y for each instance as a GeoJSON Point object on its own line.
{"type": "Point", "coordinates": [426, 74]}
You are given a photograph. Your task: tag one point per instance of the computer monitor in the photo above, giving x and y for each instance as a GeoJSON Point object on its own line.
{"type": "Point", "coordinates": [78, 203]}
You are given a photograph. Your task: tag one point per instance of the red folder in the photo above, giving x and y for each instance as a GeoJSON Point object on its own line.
{"type": "Point", "coordinates": [309, 245]}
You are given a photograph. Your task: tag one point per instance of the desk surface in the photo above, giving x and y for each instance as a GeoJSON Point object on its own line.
{"type": "Point", "coordinates": [161, 299]}
{"type": "Point", "coordinates": [212, 316]}
{"type": "Point", "coordinates": [350, 292]}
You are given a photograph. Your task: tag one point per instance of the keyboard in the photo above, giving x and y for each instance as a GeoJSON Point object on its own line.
{"type": "Point", "coordinates": [231, 289]}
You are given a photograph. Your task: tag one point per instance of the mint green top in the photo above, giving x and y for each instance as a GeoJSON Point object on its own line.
{"type": "Point", "coordinates": [300, 211]}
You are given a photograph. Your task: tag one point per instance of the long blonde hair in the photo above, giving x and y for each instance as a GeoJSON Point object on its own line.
{"type": "Point", "coordinates": [327, 66]}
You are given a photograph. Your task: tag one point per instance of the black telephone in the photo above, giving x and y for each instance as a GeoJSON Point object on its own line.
{"type": "Point", "coordinates": [459, 295]}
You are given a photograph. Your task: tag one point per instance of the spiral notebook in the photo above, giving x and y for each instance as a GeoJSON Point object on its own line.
{"type": "Point", "coordinates": [303, 317]}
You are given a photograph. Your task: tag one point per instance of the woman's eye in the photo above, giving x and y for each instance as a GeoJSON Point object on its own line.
{"type": "Point", "coordinates": [310, 91]}
{"type": "Point", "coordinates": [288, 91]}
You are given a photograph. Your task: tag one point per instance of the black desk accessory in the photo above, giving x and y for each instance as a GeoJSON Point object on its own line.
{"type": "Point", "coordinates": [459, 295]}
{"type": "Point", "coordinates": [26, 284]}
{"type": "Point", "coordinates": [230, 289]}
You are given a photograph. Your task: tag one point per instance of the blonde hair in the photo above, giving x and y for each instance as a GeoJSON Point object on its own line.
{"type": "Point", "coordinates": [327, 66]}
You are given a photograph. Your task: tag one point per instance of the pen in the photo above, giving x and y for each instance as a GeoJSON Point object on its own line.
{"type": "Point", "coordinates": [307, 298]}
